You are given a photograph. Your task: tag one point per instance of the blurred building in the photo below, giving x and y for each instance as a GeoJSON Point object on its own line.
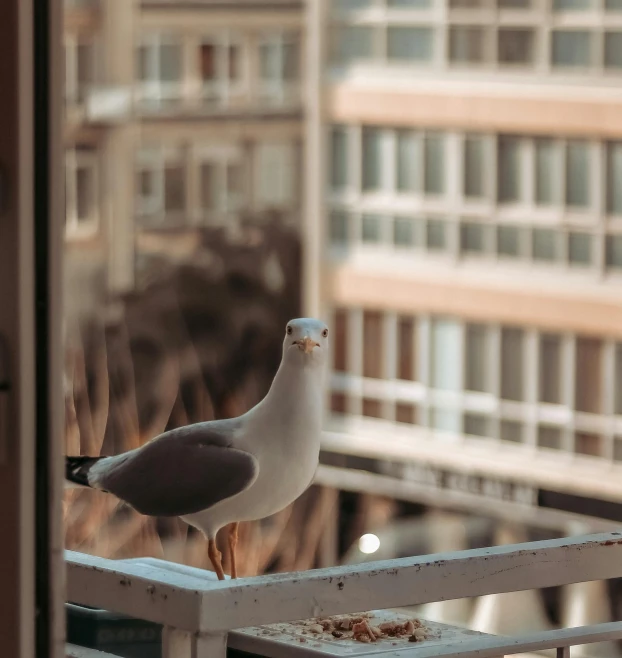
{"type": "Point", "coordinates": [180, 115]}
{"type": "Point", "coordinates": [468, 246]}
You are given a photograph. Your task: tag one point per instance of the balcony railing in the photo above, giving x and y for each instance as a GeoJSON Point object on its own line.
{"type": "Point", "coordinates": [197, 613]}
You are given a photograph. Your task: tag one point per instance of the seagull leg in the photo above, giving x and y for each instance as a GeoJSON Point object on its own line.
{"type": "Point", "coordinates": [214, 556]}
{"type": "Point", "coordinates": [233, 542]}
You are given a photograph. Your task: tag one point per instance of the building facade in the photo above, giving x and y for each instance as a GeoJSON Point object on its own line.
{"type": "Point", "coordinates": [471, 241]}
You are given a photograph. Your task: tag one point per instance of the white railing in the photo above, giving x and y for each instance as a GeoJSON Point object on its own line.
{"type": "Point", "coordinates": [198, 612]}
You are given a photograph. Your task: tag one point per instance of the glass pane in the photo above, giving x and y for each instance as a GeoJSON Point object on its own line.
{"type": "Point", "coordinates": [446, 355]}
{"type": "Point", "coordinates": [545, 244]}
{"type": "Point", "coordinates": [613, 5]}
{"type": "Point", "coordinates": [508, 158]}
{"type": "Point", "coordinates": [290, 61]}
{"type": "Point", "coordinates": [339, 227]}
{"type": "Point", "coordinates": [547, 169]}
{"type": "Point", "coordinates": [353, 42]}
{"type": "Point", "coordinates": [372, 158]}
{"type": "Point", "coordinates": [174, 188]}
{"type": "Point", "coordinates": [550, 369]}
{"type": "Point", "coordinates": [408, 161]}
{"type": "Point", "coordinates": [404, 232]}
{"type": "Point", "coordinates": [406, 336]}
{"type": "Point", "coordinates": [515, 46]}
{"type": "Point", "coordinates": [474, 163]}
{"type": "Point", "coordinates": [589, 375]}
{"type": "Point", "coordinates": [406, 413]}
{"type": "Point", "coordinates": [508, 241]}
{"type": "Point", "coordinates": [577, 174]}
{"type": "Point", "coordinates": [338, 403]}
{"type": "Point", "coordinates": [580, 249]}
{"type": "Point", "coordinates": [406, 4]}
{"type": "Point", "coordinates": [339, 158]}
{"type": "Point", "coordinates": [209, 186]}
{"type": "Point", "coordinates": [477, 361]}
{"type": "Point", "coordinates": [618, 379]}
{"type": "Point", "coordinates": [477, 425]}
{"type": "Point", "coordinates": [371, 228]}
{"type": "Point", "coordinates": [412, 44]}
{"type": "Point", "coordinates": [561, 5]}
{"type": "Point", "coordinates": [434, 164]}
{"type": "Point", "coordinates": [372, 344]}
{"type": "Point", "coordinates": [613, 50]}
{"type": "Point", "coordinates": [170, 62]}
{"type": "Point", "coordinates": [372, 408]}
{"type": "Point", "coordinates": [436, 238]}
{"type": "Point", "coordinates": [512, 364]}
{"type": "Point", "coordinates": [514, 4]}
{"type": "Point", "coordinates": [588, 444]}
{"type": "Point", "coordinates": [614, 178]}
{"type": "Point", "coordinates": [467, 44]}
{"type": "Point", "coordinates": [614, 251]}
{"type": "Point", "coordinates": [207, 62]}
{"type": "Point", "coordinates": [446, 420]}
{"type": "Point", "coordinates": [472, 238]}
{"type": "Point", "coordinates": [511, 430]}
{"type": "Point", "coordinates": [353, 4]}
{"type": "Point", "coordinates": [549, 437]}
{"type": "Point", "coordinates": [571, 48]}
{"type": "Point", "coordinates": [340, 340]}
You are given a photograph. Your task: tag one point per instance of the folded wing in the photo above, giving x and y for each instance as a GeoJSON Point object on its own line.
{"type": "Point", "coordinates": [181, 472]}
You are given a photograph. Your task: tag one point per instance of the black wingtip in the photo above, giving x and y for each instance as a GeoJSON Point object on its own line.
{"type": "Point", "coordinates": [77, 469]}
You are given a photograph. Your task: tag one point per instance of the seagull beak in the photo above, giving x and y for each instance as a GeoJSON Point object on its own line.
{"type": "Point", "coordinates": [306, 344]}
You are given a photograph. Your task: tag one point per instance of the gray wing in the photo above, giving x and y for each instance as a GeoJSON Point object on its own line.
{"type": "Point", "coordinates": [182, 471]}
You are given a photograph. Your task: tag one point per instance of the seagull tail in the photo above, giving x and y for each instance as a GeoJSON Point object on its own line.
{"type": "Point", "coordinates": [77, 471]}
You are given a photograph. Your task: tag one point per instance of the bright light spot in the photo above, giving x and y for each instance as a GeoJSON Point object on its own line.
{"type": "Point", "coordinates": [369, 544]}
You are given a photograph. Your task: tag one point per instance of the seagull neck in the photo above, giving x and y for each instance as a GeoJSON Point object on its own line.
{"type": "Point", "coordinates": [294, 379]}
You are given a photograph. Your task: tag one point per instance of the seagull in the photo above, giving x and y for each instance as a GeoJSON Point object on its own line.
{"type": "Point", "coordinates": [222, 472]}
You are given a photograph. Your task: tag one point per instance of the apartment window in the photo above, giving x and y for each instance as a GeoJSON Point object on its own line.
{"type": "Point", "coordinates": [340, 340]}
{"type": "Point", "coordinates": [372, 408]}
{"type": "Point", "coordinates": [588, 375]}
{"type": "Point", "coordinates": [279, 67]}
{"type": "Point", "coordinates": [353, 4]}
{"type": "Point", "coordinates": [339, 233]}
{"type": "Point", "coordinates": [614, 178]}
{"type": "Point", "coordinates": [512, 364]}
{"type": "Point", "coordinates": [81, 192]}
{"type": "Point", "coordinates": [508, 169]}
{"type": "Point", "coordinates": [404, 232]}
{"type": "Point", "coordinates": [220, 66]}
{"type": "Point", "coordinates": [408, 161]}
{"type": "Point", "coordinates": [472, 238]}
{"type": "Point", "coordinates": [80, 68]}
{"type": "Point", "coordinates": [550, 365]}
{"type": "Point", "coordinates": [508, 241]}
{"type": "Point", "coordinates": [613, 50]}
{"type": "Point", "coordinates": [436, 234]}
{"type": "Point", "coordinates": [161, 182]}
{"type": "Point", "coordinates": [514, 4]}
{"type": "Point", "coordinates": [580, 249]}
{"type": "Point", "coordinates": [275, 175]}
{"type": "Point", "coordinates": [474, 166]}
{"type": "Point", "coordinates": [515, 46]}
{"type": "Point", "coordinates": [564, 5]}
{"type": "Point", "coordinates": [405, 413]}
{"type": "Point", "coordinates": [410, 44]}
{"type": "Point", "coordinates": [406, 335]}
{"type": "Point", "coordinates": [578, 174]}
{"type": "Point", "coordinates": [613, 5]}
{"type": "Point", "coordinates": [467, 44]}
{"type": "Point", "coordinates": [373, 353]}
{"type": "Point", "coordinates": [434, 167]}
{"type": "Point", "coordinates": [511, 430]}
{"type": "Point", "coordinates": [614, 251]}
{"type": "Point", "coordinates": [618, 379]}
{"type": "Point", "coordinates": [545, 245]}
{"type": "Point", "coordinates": [371, 228]}
{"type": "Point", "coordinates": [372, 154]}
{"type": "Point", "coordinates": [571, 48]}
{"type": "Point", "coordinates": [338, 403]}
{"type": "Point", "coordinates": [588, 444]}
{"type": "Point", "coordinates": [549, 437]}
{"type": "Point", "coordinates": [352, 43]}
{"type": "Point", "coordinates": [446, 354]}
{"type": "Point", "coordinates": [221, 173]}
{"type": "Point", "coordinates": [547, 167]}
{"type": "Point", "coordinates": [477, 424]}
{"type": "Point", "coordinates": [160, 68]}
{"type": "Point", "coordinates": [409, 4]}
{"type": "Point", "coordinates": [477, 361]}
{"type": "Point", "coordinates": [339, 158]}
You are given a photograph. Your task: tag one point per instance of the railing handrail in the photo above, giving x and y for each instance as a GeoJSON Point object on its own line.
{"type": "Point", "coordinates": [206, 606]}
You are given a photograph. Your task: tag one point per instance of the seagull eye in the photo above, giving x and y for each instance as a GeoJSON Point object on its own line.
{"type": "Point", "coordinates": [325, 333]}
{"type": "Point", "coordinates": [289, 330]}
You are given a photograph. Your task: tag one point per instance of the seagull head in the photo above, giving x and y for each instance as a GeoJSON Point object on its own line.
{"type": "Point", "coordinates": [307, 339]}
